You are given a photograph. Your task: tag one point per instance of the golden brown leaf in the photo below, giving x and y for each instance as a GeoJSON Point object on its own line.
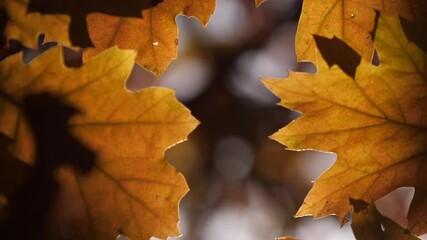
{"type": "Point", "coordinates": [63, 20]}
{"type": "Point", "coordinates": [132, 189]}
{"type": "Point", "coordinates": [370, 224]}
{"type": "Point", "coordinates": [351, 21]}
{"type": "Point", "coordinates": [25, 27]}
{"type": "Point", "coordinates": [155, 36]}
{"type": "Point", "coordinates": [79, 9]}
{"type": "Point", "coordinates": [375, 123]}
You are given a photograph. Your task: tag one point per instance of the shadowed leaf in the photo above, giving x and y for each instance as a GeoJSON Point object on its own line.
{"type": "Point", "coordinates": [350, 21]}
{"type": "Point", "coordinates": [131, 189]}
{"type": "Point", "coordinates": [414, 31]}
{"type": "Point", "coordinates": [333, 50]}
{"type": "Point", "coordinates": [79, 9]}
{"type": "Point", "coordinates": [417, 216]}
{"type": "Point", "coordinates": [12, 171]}
{"type": "Point", "coordinates": [155, 36]}
{"type": "Point", "coordinates": [3, 22]}
{"type": "Point", "coordinates": [29, 204]}
{"type": "Point", "coordinates": [370, 224]}
{"type": "Point", "coordinates": [25, 27]}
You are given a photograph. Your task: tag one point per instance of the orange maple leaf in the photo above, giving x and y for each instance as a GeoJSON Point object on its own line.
{"type": "Point", "coordinates": [376, 123]}
{"type": "Point", "coordinates": [132, 188]}
{"type": "Point", "coordinates": [154, 35]}
{"type": "Point", "coordinates": [352, 21]}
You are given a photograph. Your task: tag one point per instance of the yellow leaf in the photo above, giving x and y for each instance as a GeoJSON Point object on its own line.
{"type": "Point", "coordinates": [351, 21]}
{"type": "Point", "coordinates": [79, 9]}
{"type": "Point", "coordinates": [132, 188]}
{"type": "Point", "coordinates": [155, 36]}
{"type": "Point", "coordinates": [62, 21]}
{"type": "Point", "coordinates": [25, 27]}
{"type": "Point", "coordinates": [375, 123]}
{"type": "Point", "coordinates": [370, 224]}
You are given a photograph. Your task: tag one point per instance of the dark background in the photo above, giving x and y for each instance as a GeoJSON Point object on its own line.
{"type": "Point", "coordinates": [244, 186]}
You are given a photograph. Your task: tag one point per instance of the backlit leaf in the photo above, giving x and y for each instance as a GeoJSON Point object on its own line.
{"type": "Point", "coordinates": [25, 27]}
{"type": "Point", "coordinates": [375, 123]}
{"type": "Point", "coordinates": [352, 21]}
{"type": "Point", "coordinates": [79, 9]}
{"type": "Point", "coordinates": [370, 224]}
{"type": "Point", "coordinates": [132, 189]}
{"type": "Point", "coordinates": [155, 36]}
{"type": "Point", "coordinates": [61, 21]}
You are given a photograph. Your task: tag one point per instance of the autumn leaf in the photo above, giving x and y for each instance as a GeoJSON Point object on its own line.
{"type": "Point", "coordinates": [351, 21]}
{"type": "Point", "coordinates": [78, 9]}
{"type": "Point", "coordinates": [369, 224]}
{"type": "Point", "coordinates": [155, 37]}
{"type": "Point", "coordinates": [375, 123]}
{"type": "Point", "coordinates": [333, 51]}
{"type": "Point", "coordinates": [60, 21]}
{"type": "Point", "coordinates": [132, 188]}
{"type": "Point", "coordinates": [25, 27]}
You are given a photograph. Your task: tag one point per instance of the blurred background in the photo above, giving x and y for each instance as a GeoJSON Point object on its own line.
{"type": "Point", "coordinates": [244, 185]}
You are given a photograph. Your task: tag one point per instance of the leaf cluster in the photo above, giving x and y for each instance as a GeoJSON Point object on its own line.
{"type": "Point", "coordinates": [81, 156]}
{"type": "Point", "coordinates": [85, 156]}
{"type": "Point", "coordinates": [147, 26]}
